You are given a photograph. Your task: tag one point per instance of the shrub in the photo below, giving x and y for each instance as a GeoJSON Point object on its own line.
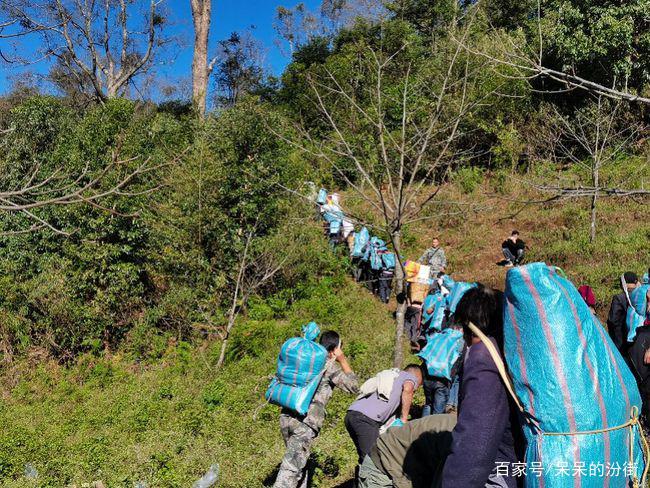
{"type": "Point", "coordinates": [468, 178]}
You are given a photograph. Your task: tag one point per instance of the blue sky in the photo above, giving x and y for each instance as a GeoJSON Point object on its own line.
{"type": "Point", "coordinates": [227, 16]}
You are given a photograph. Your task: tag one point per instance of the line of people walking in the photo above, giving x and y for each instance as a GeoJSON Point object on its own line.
{"type": "Point", "coordinates": [476, 429]}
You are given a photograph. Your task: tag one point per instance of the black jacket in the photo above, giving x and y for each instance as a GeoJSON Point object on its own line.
{"type": "Point", "coordinates": [513, 246]}
{"type": "Point", "coordinates": [616, 322]}
{"type": "Point", "coordinates": [637, 353]}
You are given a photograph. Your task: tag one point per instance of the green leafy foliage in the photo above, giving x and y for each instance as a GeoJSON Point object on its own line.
{"type": "Point", "coordinates": [110, 336]}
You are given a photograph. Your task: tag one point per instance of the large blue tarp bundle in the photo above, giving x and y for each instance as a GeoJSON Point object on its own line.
{"type": "Point", "coordinates": [321, 198]}
{"type": "Point", "coordinates": [448, 282]}
{"type": "Point", "coordinates": [637, 311]}
{"type": "Point", "coordinates": [361, 240]}
{"type": "Point", "coordinates": [457, 291]}
{"type": "Point", "coordinates": [300, 367]}
{"type": "Point", "coordinates": [432, 321]}
{"type": "Point", "coordinates": [569, 378]}
{"type": "Point", "coordinates": [388, 260]}
{"type": "Point", "coordinates": [441, 352]}
{"type": "Point", "coordinates": [332, 214]}
{"type": "Point", "coordinates": [376, 246]}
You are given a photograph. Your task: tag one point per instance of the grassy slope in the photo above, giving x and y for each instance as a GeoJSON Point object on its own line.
{"type": "Point", "coordinates": [106, 419]}
{"type": "Point", "coordinates": [111, 421]}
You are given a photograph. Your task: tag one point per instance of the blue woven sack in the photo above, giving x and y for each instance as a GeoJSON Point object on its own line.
{"type": "Point", "coordinates": [448, 282]}
{"type": "Point", "coordinates": [457, 291]}
{"type": "Point", "coordinates": [637, 311]}
{"type": "Point", "coordinates": [441, 352]}
{"type": "Point", "coordinates": [361, 240]}
{"type": "Point", "coordinates": [377, 246]}
{"type": "Point", "coordinates": [301, 364]}
{"type": "Point", "coordinates": [573, 384]}
{"type": "Point", "coordinates": [321, 199]}
{"type": "Point", "coordinates": [388, 260]}
{"type": "Point", "coordinates": [333, 215]}
{"type": "Point", "coordinates": [433, 321]}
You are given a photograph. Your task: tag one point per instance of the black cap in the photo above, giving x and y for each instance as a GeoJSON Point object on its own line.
{"type": "Point", "coordinates": [630, 277]}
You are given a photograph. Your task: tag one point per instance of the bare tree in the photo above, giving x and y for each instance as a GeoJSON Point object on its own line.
{"type": "Point", "coordinates": [594, 137]}
{"type": "Point", "coordinates": [104, 45]}
{"type": "Point", "coordinates": [43, 188]}
{"type": "Point", "coordinates": [296, 26]}
{"type": "Point", "coordinates": [527, 58]}
{"type": "Point", "coordinates": [255, 270]}
{"type": "Point", "coordinates": [392, 147]}
{"type": "Point", "coordinates": [201, 68]}
{"type": "Point", "coordinates": [336, 14]}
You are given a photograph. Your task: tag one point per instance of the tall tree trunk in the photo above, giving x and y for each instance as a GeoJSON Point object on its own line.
{"type": "Point", "coordinates": [594, 198]}
{"type": "Point", "coordinates": [201, 10]}
{"type": "Point", "coordinates": [400, 293]}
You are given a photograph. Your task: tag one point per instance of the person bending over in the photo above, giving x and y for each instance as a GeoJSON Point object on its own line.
{"type": "Point", "coordinates": [368, 414]}
{"type": "Point", "coordinates": [411, 456]}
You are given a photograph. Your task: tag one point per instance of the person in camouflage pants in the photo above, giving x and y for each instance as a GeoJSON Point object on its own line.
{"type": "Point", "coordinates": [299, 432]}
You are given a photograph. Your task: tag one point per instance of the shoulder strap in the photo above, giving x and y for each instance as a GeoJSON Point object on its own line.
{"type": "Point", "coordinates": [496, 357]}
{"type": "Point", "coordinates": [627, 294]}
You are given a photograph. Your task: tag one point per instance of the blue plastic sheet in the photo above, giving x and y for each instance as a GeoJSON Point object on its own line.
{"type": "Point", "coordinates": [388, 260]}
{"type": "Point", "coordinates": [570, 378]}
{"type": "Point", "coordinates": [300, 367]}
{"type": "Point", "coordinates": [361, 240]}
{"type": "Point", "coordinates": [636, 314]}
{"type": "Point", "coordinates": [457, 291]}
{"type": "Point", "coordinates": [441, 352]}
{"type": "Point", "coordinates": [437, 304]}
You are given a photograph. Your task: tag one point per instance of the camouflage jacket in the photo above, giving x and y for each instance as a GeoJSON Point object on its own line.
{"type": "Point", "coordinates": [333, 377]}
{"type": "Point", "coordinates": [436, 259]}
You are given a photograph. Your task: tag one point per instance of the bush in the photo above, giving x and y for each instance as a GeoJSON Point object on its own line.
{"type": "Point", "coordinates": [468, 178]}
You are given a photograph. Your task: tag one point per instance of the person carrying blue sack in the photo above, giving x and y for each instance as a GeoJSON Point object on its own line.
{"type": "Point", "coordinates": [300, 430]}
{"type": "Point", "coordinates": [639, 352]}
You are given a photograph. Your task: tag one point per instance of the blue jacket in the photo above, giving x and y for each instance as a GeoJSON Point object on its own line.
{"type": "Point", "coordinates": [483, 435]}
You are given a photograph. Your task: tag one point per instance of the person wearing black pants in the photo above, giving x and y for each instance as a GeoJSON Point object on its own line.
{"type": "Point", "coordinates": [385, 282]}
{"type": "Point", "coordinates": [639, 354]}
{"type": "Point", "coordinates": [365, 416]}
{"type": "Point", "coordinates": [363, 431]}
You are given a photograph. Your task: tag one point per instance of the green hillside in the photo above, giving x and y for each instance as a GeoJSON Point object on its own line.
{"type": "Point", "coordinates": [165, 421]}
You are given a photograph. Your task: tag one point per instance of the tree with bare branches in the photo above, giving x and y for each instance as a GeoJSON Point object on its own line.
{"type": "Point", "coordinates": [102, 45]}
{"type": "Point", "coordinates": [60, 186]}
{"type": "Point", "coordinates": [528, 55]}
{"type": "Point", "coordinates": [256, 268]}
{"type": "Point", "coordinates": [590, 140]}
{"type": "Point", "coordinates": [391, 129]}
